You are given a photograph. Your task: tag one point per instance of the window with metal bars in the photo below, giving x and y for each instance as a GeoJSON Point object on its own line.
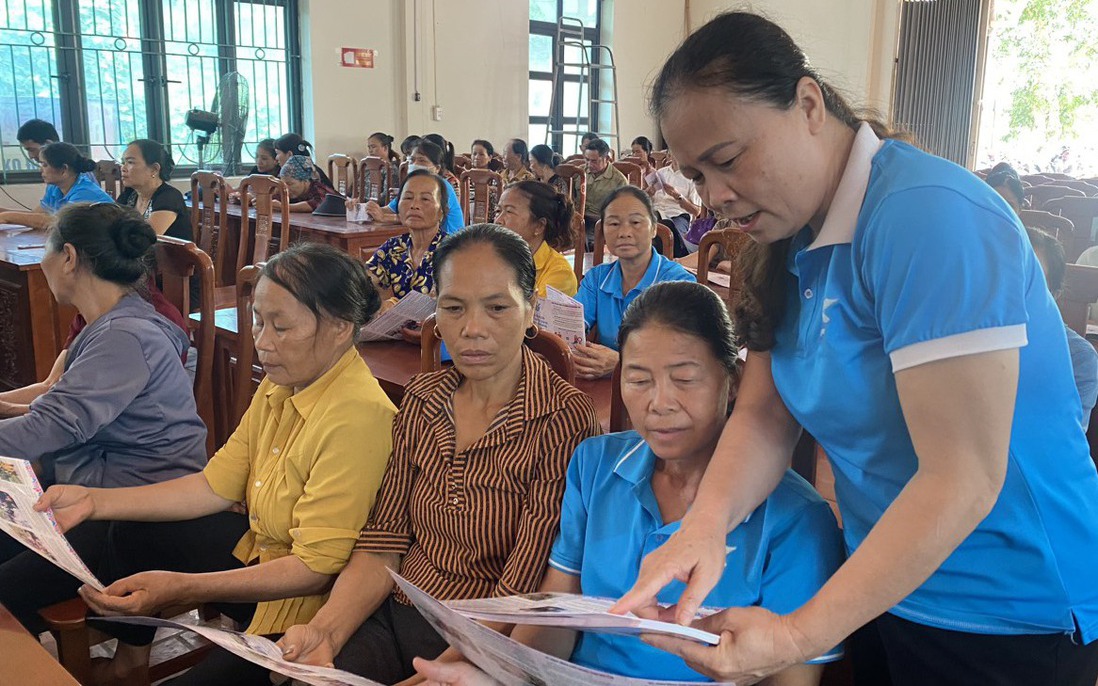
{"type": "Point", "coordinates": [569, 109]}
{"type": "Point", "coordinates": [105, 72]}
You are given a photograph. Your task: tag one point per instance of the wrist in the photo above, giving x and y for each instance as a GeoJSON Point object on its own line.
{"type": "Point", "coordinates": [810, 637]}
{"type": "Point", "coordinates": [330, 632]}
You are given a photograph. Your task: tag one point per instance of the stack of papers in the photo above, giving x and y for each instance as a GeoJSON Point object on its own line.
{"type": "Point", "coordinates": [412, 309]}
{"type": "Point", "coordinates": [19, 491]}
{"type": "Point", "coordinates": [563, 315]}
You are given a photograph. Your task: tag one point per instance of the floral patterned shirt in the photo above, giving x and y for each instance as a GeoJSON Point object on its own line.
{"type": "Point", "coordinates": [391, 266]}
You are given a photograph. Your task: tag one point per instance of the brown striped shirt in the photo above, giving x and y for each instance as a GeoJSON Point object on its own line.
{"type": "Point", "coordinates": [478, 523]}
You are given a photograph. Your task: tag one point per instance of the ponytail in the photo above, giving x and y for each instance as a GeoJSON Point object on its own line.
{"type": "Point", "coordinates": [60, 155]}
{"type": "Point", "coordinates": [387, 142]}
{"type": "Point", "coordinates": [447, 162]}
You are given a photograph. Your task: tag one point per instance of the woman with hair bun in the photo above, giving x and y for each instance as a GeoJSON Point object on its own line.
{"type": "Point", "coordinates": [290, 144]}
{"type": "Point", "coordinates": [123, 413]}
{"type": "Point", "coordinates": [308, 458]}
{"type": "Point", "coordinates": [543, 217]}
{"type": "Point", "coordinates": [544, 163]}
{"type": "Point", "coordinates": [64, 170]}
{"type": "Point", "coordinates": [381, 145]}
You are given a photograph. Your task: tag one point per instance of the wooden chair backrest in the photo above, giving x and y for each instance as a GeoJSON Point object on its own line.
{"type": "Point", "coordinates": [243, 388]}
{"type": "Point", "coordinates": [1083, 214]}
{"type": "Point", "coordinates": [177, 262]}
{"type": "Point", "coordinates": [1039, 195]}
{"type": "Point", "coordinates": [631, 171]}
{"type": "Point", "coordinates": [209, 220]}
{"type": "Point", "coordinates": [667, 242]}
{"type": "Point", "coordinates": [661, 158]}
{"type": "Point", "coordinates": [548, 345]}
{"type": "Point", "coordinates": [732, 242]}
{"type": "Point", "coordinates": [1060, 227]}
{"type": "Point", "coordinates": [578, 157]}
{"type": "Point", "coordinates": [480, 191]}
{"type": "Point", "coordinates": [343, 171]}
{"type": "Point", "coordinates": [575, 179]}
{"type": "Point", "coordinates": [461, 163]}
{"type": "Point", "coordinates": [1037, 179]}
{"type": "Point", "coordinates": [1089, 189]}
{"type": "Point", "coordinates": [260, 240]}
{"type": "Point", "coordinates": [108, 174]}
{"type": "Point", "coordinates": [403, 172]}
{"type": "Point", "coordinates": [375, 180]}
{"type": "Point", "coordinates": [1080, 290]}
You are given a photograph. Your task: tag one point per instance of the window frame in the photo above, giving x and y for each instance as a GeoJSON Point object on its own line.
{"type": "Point", "coordinates": [68, 72]}
{"type": "Point", "coordinates": [556, 119]}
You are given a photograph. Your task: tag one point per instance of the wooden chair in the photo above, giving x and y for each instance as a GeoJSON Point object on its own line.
{"type": "Point", "coordinates": [108, 174]}
{"type": "Point", "coordinates": [631, 171]}
{"type": "Point", "coordinates": [210, 226]}
{"type": "Point", "coordinates": [730, 241]}
{"type": "Point", "coordinates": [480, 191]}
{"type": "Point", "coordinates": [1057, 176]}
{"type": "Point", "coordinates": [1080, 290]}
{"type": "Point", "coordinates": [578, 157]}
{"type": "Point", "coordinates": [576, 180]}
{"type": "Point", "coordinates": [461, 163]}
{"type": "Point", "coordinates": [343, 171]}
{"type": "Point", "coordinates": [1039, 195]}
{"type": "Point", "coordinates": [257, 235]}
{"type": "Point", "coordinates": [667, 243]}
{"type": "Point", "coordinates": [403, 172]}
{"type": "Point", "coordinates": [1060, 227]}
{"type": "Point", "coordinates": [661, 158]}
{"type": "Point", "coordinates": [374, 180]}
{"type": "Point", "coordinates": [1083, 214]}
{"type": "Point", "coordinates": [1037, 179]}
{"type": "Point", "coordinates": [177, 262]}
{"type": "Point", "coordinates": [548, 345]}
{"type": "Point", "coordinates": [244, 371]}
{"type": "Point", "coordinates": [1089, 189]}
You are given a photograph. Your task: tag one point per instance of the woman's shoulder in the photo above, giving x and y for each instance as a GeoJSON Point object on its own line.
{"type": "Point", "coordinates": [356, 394]}
{"type": "Point", "coordinates": [670, 270]}
{"type": "Point", "coordinates": [135, 321]}
{"type": "Point", "coordinates": [167, 197]}
{"type": "Point", "coordinates": [794, 503]}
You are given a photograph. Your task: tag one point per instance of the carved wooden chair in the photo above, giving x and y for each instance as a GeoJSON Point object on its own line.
{"type": "Point", "coordinates": [549, 346]}
{"type": "Point", "coordinates": [480, 191]}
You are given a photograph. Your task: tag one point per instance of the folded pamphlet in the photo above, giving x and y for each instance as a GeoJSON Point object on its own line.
{"type": "Point", "coordinates": [258, 650]}
{"type": "Point", "coordinates": [563, 315]}
{"type": "Point", "coordinates": [412, 308]}
{"type": "Point", "coordinates": [506, 660]}
{"type": "Point", "coordinates": [19, 491]}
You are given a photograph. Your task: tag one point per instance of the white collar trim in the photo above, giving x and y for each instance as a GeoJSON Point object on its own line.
{"type": "Point", "coordinates": [842, 216]}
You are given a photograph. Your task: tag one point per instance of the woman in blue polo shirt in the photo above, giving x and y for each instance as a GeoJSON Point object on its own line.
{"type": "Point", "coordinates": [895, 310]}
{"type": "Point", "coordinates": [626, 492]}
{"type": "Point", "coordinates": [64, 170]}
{"type": "Point", "coordinates": [629, 225]}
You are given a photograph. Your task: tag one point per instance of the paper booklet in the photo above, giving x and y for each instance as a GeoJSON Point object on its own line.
{"type": "Point", "coordinates": [507, 661]}
{"type": "Point", "coordinates": [654, 179]}
{"type": "Point", "coordinates": [414, 307]}
{"type": "Point", "coordinates": [567, 610]}
{"type": "Point", "coordinates": [714, 277]}
{"type": "Point", "coordinates": [19, 491]}
{"type": "Point", "coordinates": [563, 315]}
{"type": "Point", "coordinates": [260, 651]}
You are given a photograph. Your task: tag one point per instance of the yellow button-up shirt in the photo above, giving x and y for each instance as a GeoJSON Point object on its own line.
{"type": "Point", "coordinates": [308, 464]}
{"type": "Point", "coordinates": [553, 270]}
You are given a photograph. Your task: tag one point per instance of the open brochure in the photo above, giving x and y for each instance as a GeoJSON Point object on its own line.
{"type": "Point", "coordinates": [563, 315]}
{"type": "Point", "coordinates": [507, 661]}
{"type": "Point", "coordinates": [414, 307]}
{"type": "Point", "coordinates": [19, 491]}
{"type": "Point", "coordinates": [567, 610]}
{"type": "Point", "coordinates": [654, 179]}
{"type": "Point", "coordinates": [260, 651]}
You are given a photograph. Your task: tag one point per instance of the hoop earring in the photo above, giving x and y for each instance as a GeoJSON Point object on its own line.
{"type": "Point", "coordinates": [437, 334]}
{"type": "Point", "coordinates": [531, 336]}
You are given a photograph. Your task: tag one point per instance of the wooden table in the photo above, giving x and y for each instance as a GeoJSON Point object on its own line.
{"type": "Point", "coordinates": [33, 326]}
{"type": "Point", "coordinates": [23, 660]}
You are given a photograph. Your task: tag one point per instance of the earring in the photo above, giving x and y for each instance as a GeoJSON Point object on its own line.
{"type": "Point", "coordinates": [437, 334]}
{"type": "Point", "coordinates": [531, 336]}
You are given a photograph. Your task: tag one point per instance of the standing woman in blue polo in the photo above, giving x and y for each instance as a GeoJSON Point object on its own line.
{"type": "Point", "coordinates": [64, 170]}
{"type": "Point", "coordinates": [895, 311]}
{"type": "Point", "coordinates": [628, 225]}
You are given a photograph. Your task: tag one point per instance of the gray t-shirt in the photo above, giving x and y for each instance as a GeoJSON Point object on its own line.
{"type": "Point", "coordinates": [123, 412]}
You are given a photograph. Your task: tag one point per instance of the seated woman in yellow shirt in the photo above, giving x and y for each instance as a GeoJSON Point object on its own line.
{"type": "Point", "coordinates": [542, 216]}
{"type": "Point", "coordinates": [307, 459]}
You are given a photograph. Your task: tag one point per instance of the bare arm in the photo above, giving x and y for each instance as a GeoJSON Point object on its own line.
{"type": "Point", "coordinates": [36, 220]}
{"type": "Point", "coordinates": [162, 220]}
{"type": "Point", "coordinates": [959, 413]}
{"type": "Point", "coordinates": [359, 591]}
{"type": "Point", "coordinates": [22, 397]}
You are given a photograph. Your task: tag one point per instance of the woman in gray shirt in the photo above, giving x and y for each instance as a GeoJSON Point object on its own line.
{"type": "Point", "coordinates": [123, 411]}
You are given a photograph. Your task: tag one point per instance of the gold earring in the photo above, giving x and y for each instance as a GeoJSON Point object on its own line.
{"type": "Point", "coordinates": [437, 334]}
{"type": "Point", "coordinates": [531, 336]}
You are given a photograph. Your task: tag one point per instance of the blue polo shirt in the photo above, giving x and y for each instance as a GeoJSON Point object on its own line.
{"type": "Point", "coordinates": [455, 220]}
{"type": "Point", "coordinates": [779, 556]}
{"type": "Point", "coordinates": [604, 303]}
{"type": "Point", "coordinates": [84, 190]}
{"type": "Point", "coordinates": [917, 261]}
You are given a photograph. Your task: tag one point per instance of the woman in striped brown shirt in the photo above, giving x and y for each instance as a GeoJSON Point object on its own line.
{"type": "Point", "coordinates": [471, 498]}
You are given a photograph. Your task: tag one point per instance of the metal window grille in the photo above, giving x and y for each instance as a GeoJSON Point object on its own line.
{"type": "Point", "coordinates": [105, 72]}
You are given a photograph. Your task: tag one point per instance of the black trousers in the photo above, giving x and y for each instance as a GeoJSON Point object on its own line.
{"type": "Point", "coordinates": [383, 647]}
{"type": "Point", "coordinates": [891, 651]}
{"type": "Point", "coordinates": [222, 668]}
